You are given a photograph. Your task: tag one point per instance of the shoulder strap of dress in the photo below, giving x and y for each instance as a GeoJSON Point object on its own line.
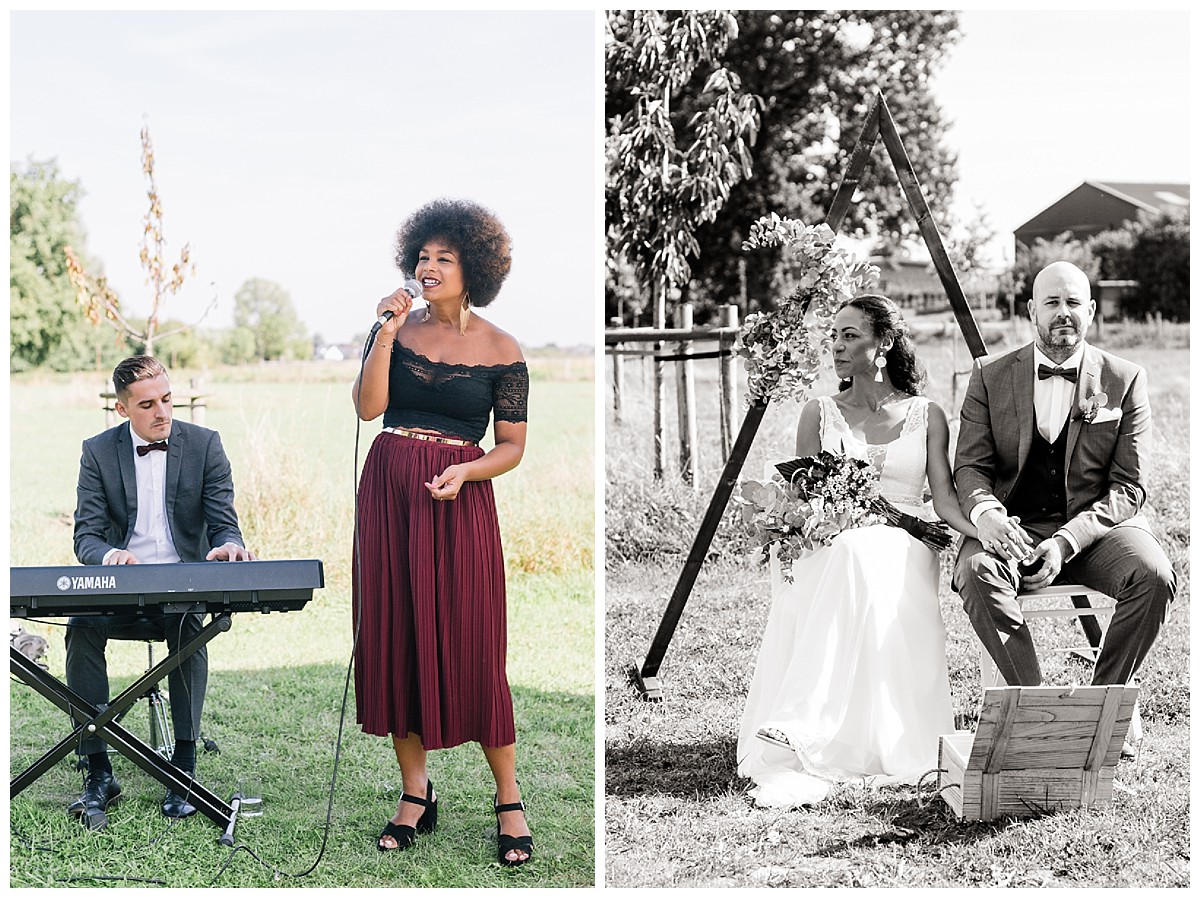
{"type": "Point", "coordinates": [829, 415]}
{"type": "Point", "coordinates": [917, 416]}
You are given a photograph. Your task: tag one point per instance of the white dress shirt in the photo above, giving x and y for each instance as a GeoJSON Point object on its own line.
{"type": "Point", "coordinates": [151, 542]}
{"type": "Point", "coordinates": [1054, 397]}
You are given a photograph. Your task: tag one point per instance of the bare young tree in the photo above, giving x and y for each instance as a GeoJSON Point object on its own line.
{"type": "Point", "coordinates": [100, 302]}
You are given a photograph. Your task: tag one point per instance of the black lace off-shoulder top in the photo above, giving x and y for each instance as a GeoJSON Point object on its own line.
{"type": "Point", "coordinates": [453, 399]}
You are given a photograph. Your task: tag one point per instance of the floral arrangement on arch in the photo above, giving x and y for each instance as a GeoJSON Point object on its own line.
{"type": "Point", "coordinates": [783, 348]}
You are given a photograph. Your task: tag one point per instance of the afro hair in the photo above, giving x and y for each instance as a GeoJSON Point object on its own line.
{"type": "Point", "coordinates": [482, 244]}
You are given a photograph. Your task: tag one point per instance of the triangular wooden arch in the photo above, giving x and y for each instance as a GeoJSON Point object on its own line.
{"type": "Point", "coordinates": [879, 124]}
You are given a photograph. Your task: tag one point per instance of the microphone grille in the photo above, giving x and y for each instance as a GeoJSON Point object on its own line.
{"type": "Point", "coordinates": [413, 288]}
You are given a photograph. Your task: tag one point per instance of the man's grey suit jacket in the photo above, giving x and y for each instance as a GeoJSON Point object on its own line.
{"type": "Point", "coordinates": [199, 487]}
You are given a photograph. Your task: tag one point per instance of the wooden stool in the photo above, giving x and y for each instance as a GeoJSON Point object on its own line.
{"type": "Point", "coordinates": [1082, 605]}
{"type": "Point", "coordinates": [1036, 749]}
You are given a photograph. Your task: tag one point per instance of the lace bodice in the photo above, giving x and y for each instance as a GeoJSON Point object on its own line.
{"type": "Point", "coordinates": [899, 464]}
{"type": "Point", "coordinates": [451, 398]}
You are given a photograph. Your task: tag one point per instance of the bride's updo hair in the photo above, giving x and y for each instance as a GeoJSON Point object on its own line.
{"type": "Point", "coordinates": [883, 315]}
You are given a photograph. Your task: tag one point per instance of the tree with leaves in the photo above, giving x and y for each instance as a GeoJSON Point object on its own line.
{"type": "Point", "coordinates": [815, 73]}
{"type": "Point", "coordinates": [101, 303]}
{"type": "Point", "coordinates": [42, 222]}
{"type": "Point", "coordinates": [1161, 263]}
{"type": "Point", "coordinates": [264, 310]}
{"type": "Point", "coordinates": [44, 325]}
{"type": "Point", "coordinates": [669, 172]}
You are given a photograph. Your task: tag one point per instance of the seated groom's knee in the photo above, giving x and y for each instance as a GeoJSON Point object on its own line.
{"type": "Point", "coordinates": [1140, 567]}
{"type": "Point", "coordinates": [83, 634]}
{"type": "Point", "coordinates": [1153, 576]}
{"type": "Point", "coordinates": [988, 587]}
{"type": "Point", "coordinates": [976, 566]}
{"type": "Point", "coordinates": [179, 629]}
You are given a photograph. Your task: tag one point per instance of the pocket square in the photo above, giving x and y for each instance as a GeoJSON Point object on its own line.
{"type": "Point", "coordinates": [1104, 415]}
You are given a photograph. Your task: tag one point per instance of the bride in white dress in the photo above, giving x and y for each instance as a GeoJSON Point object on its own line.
{"type": "Point", "coordinates": [851, 682]}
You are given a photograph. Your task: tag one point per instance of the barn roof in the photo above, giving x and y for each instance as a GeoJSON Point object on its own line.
{"type": "Point", "coordinates": [1153, 197]}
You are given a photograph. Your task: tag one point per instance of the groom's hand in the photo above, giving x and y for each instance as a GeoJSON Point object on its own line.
{"type": "Point", "coordinates": [1049, 558]}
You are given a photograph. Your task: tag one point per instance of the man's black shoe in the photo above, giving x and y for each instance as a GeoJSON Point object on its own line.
{"type": "Point", "coordinates": [100, 792]}
{"type": "Point", "coordinates": [175, 805]}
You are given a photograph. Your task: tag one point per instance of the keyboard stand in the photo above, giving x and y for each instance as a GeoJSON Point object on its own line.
{"type": "Point", "coordinates": [90, 721]}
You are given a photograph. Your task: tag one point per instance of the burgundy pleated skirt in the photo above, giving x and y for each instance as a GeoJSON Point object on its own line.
{"type": "Point", "coordinates": [433, 636]}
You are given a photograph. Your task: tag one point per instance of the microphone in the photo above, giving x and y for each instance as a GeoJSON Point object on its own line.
{"type": "Point", "coordinates": [413, 289]}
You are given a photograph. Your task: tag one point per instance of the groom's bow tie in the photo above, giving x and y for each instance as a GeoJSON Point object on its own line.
{"type": "Point", "coordinates": [1045, 371]}
{"type": "Point", "coordinates": [149, 447]}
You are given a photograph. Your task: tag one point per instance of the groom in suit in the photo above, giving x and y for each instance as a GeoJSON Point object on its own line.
{"type": "Point", "coordinates": [152, 491]}
{"type": "Point", "coordinates": [1052, 456]}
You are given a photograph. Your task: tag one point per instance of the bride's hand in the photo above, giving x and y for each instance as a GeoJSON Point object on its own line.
{"type": "Point", "coordinates": [1003, 536]}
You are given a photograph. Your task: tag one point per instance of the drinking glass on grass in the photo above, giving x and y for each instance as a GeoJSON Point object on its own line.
{"type": "Point", "coordinates": [252, 798]}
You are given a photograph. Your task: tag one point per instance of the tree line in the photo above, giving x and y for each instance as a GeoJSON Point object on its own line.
{"type": "Point", "coordinates": [59, 310]}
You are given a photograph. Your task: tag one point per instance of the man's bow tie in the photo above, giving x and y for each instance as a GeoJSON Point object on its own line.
{"type": "Point", "coordinates": [161, 444]}
{"type": "Point", "coordinates": [1045, 371]}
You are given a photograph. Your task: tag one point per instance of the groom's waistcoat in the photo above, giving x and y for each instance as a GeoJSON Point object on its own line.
{"type": "Point", "coordinates": [1041, 493]}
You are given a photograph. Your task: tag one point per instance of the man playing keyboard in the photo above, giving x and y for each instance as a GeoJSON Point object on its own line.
{"type": "Point", "coordinates": [151, 491]}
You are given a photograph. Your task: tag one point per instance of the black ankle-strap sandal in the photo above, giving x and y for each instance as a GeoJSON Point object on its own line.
{"type": "Point", "coordinates": [405, 835]}
{"type": "Point", "coordinates": [506, 843]}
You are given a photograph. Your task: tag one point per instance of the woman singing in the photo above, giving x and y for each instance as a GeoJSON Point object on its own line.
{"type": "Point", "coordinates": [429, 579]}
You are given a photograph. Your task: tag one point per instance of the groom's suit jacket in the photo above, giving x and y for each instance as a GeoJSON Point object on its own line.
{"type": "Point", "coordinates": [199, 493]}
{"type": "Point", "coordinates": [1107, 457]}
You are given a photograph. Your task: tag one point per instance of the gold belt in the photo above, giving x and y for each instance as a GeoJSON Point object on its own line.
{"type": "Point", "coordinates": [427, 436]}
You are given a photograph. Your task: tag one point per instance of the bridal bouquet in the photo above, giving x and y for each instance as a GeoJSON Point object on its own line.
{"type": "Point", "coordinates": [813, 500]}
{"type": "Point", "coordinates": [817, 497]}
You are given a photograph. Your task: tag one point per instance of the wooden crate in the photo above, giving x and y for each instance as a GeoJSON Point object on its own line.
{"type": "Point", "coordinates": [1037, 749]}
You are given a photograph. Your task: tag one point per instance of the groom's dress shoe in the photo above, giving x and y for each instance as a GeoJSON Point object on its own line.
{"type": "Point", "coordinates": [175, 805]}
{"type": "Point", "coordinates": [100, 792]}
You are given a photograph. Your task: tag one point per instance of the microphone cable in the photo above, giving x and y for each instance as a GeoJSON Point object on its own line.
{"type": "Point", "coordinates": [367, 344]}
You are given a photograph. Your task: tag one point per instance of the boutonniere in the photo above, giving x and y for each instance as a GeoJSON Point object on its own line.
{"type": "Point", "coordinates": [1090, 407]}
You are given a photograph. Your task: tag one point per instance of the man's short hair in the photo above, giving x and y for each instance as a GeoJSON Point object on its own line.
{"type": "Point", "coordinates": [133, 369]}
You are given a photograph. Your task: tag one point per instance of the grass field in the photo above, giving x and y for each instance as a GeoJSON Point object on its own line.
{"type": "Point", "coordinates": [277, 681]}
{"type": "Point", "coordinates": [677, 814]}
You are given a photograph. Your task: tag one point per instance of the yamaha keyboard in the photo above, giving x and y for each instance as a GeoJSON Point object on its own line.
{"type": "Point", "coordinates": [219, 588]}
{"type": "Point", "coordinates": [215, 587]}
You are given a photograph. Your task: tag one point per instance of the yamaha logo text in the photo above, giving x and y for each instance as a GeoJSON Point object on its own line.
{"type": "Point", "coordinates": [106, 581]}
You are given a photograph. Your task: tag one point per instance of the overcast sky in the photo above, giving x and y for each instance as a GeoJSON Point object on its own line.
{"type": "Point", "coordinates": [1043, 100]}
{"type": "Point", "coordinates": [290, 145]}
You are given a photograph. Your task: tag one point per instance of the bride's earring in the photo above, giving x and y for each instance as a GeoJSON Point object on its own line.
{"type": "Point", "coordinates": [465, 315]}
{"type": "Point", "coordinates": [880, 364]}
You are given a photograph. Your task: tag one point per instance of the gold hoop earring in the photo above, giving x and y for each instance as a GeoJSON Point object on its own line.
{"type": "Point", "coordinates": [465, 315]}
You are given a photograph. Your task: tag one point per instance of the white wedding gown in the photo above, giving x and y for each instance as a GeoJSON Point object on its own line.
{"type": "Point", "coordinates": [852, 666]}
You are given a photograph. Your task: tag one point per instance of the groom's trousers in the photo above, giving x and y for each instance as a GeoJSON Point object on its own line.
{"type": "Point", "coordinates": [1126, 563]}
